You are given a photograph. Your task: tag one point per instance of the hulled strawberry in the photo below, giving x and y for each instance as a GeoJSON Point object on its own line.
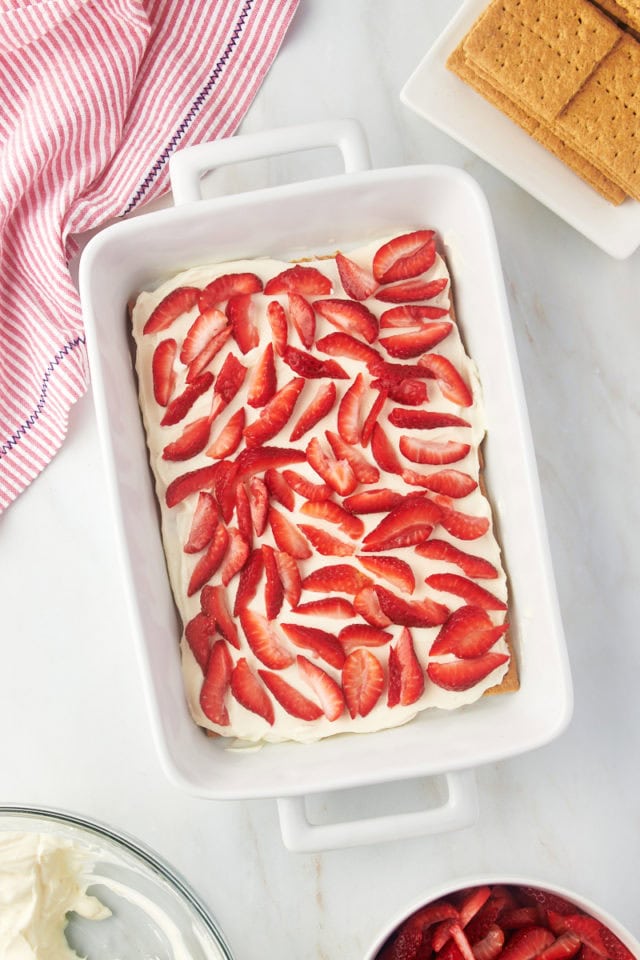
{"type": "Point", "coordinates": [216, 684]}
{"type": "Point", "coordinates": [406, 676]}
{"type": "Point", "coordinates": [163, 372]}
{"type": "Point", "coordinates": [179, 301]}
{"type": "Point", "coordinates": [459, 675]}
{"type": "Point", "coordinates": [405, 256]}
{"type": "Point", "coordinates": [362, 682]}
{"type": "Point", "coordinates": [249, 691]}
{"type": "Point", "coordinates": [349, 316]}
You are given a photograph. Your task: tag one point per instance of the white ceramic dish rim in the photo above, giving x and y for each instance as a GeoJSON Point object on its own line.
{"type": "Point", "coordinates": [452, 886]}
{"type": "Point", "coordinates": [107, 271]}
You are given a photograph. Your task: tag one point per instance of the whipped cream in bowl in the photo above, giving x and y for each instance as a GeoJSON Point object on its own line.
{"type": "Point", "coordinates": [70, 888]}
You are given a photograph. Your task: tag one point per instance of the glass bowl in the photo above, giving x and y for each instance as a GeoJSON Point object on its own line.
{"type": "Point", "coordinates": [154, 912]}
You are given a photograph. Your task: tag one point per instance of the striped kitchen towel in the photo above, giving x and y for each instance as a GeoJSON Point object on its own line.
{"type": "Point", "coordinates": [95, 96]}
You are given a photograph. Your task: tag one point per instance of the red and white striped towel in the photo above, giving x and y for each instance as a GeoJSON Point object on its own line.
{"type": "Point", "coordinates": [95, 96]}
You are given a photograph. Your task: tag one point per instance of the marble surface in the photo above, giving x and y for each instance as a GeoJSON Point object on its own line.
{"type": "Point", "coordinates": [75, 732]}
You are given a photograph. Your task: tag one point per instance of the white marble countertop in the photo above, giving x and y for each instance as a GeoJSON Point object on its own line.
{"type": "Point", "coordinates": [75, 730]}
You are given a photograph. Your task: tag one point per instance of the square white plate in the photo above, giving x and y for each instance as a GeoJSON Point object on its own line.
{"type": "Point", "coordinates": [448, 103]}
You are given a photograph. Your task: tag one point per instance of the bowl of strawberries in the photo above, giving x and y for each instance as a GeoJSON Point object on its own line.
{"type": "Point", "coordinates": [510, 919]}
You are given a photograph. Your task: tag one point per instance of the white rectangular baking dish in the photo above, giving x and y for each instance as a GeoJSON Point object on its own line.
{"type": "Point", "coordinates": [289, 221]}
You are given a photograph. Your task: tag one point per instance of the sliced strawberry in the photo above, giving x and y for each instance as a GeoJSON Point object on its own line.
{"type": "Point", "coordinates": [367, 604]}
{"type": "Point", "coordinates": [258, 459]}
{"type": "Point", "coordinates": [393, 570]}
{"type": "Point", "coordinates": [203, 524]}
{"type": "Point", "coordinates": [216, 684]}
{"type": "Point", "coordinates": [406, 291]}
{"type": "Point", "coordinates": [463, 526]}
{"type": "Point", "coordinates": [291, 699]}
{"type": "Point", "coordinates": [473, 901]}
{"type": "Point", "coordinates": [324, 687]}
{"type": "Point", "coordinates": [179, 407]}
{"type": "Point", "coordinates": [358, 282]}
{"type": "Point", "coordinates": [519, 917]}
{"type": "Point", "coordinates": [405, 256]}
{"type": "Point", "coordinates": [321, 643]}
{"type": "Point", "coordinates": [409, 523]}
{"type": "Point", "coordinates": [275, 414]}
{"type": "Point", "coordinates": [373, 501]}
{"type": "Point", "coordinates": [312, 368]}
{"type": "Point", "coordinates": [206, 355]}
{"type": "Point", "coordinates": [460, 939]}
{"type": "Point", "coordinates": [451, 384]}
{"type": "Point", "coordinates": [491, 945]}
{"type": "Point", "coordinates": [527, 944]}
{"type": "Point", "coordinates": [289, 577]}
{"type": "Point", "coordinates": [287, 536]}
{"type": "Point", "coordinates": [162, 372]}
{"type": "Point", "coordinates": [414, 344]}
{"type": "Point", "coordinates": [230, 378]}
{"type": "Point", "coordinates": [336, 608]}
{"type": "Point", "coordinates": [383, 451]}
{"type": "Point", "coordinates": [199, 633]}
{"type": "Point", "coordinates": [236, 556]}
{"type": "Point", "coordinates": [372, 417]}
{"type": "Point", "coordinates": [364, 471]}
{"type": "Point", "coordinates": [191, 441]}
{"type": "Point", "coordinates": [225, 485]}
{"type": "Point", "coordinates": [452, 483]}
{"type": "Point", "coordinates": [464, 674]}
{"type": "Point", "coordinates": [262, 384]}
{"type": "Point", "coordinates": [308, 281]}
{"type": "Point", "coordinates": [362, 635]}
{"type": "Point", "coordinates": [411, 393]}
{"type": "Point", "coordinates": [273, 590]}
{"type": "Point", "coordinates": [546, 900]}
{"type": "Point", "coordinates": [318, 408]}
{"type": "Point", "coordinates": [362, 682]}
{"type": "Point", "coordinates": [279, 488]}
{"type": "Point", "coordinates": [303, 319]}
{"type": "Point", "coordinates": [337, 473]}
{"type": "Point", "coordinates": [349, 316]}
{"type": "Point", "coordinates": [200, 333]}
{"type": "Point", "coordinates": [213, 601]}
{"type": "Point", "coordinates": [344, 345]}
{"type": "Point", "coordinates": [249, 580]}
{"type": "Point", "coordinates": [433, 451]}
{"type": "Point", "coordinates": [258, 504]}
{"type": "Point", "coordinates": [349, 425]}
{"type": "Point", "coordinates": [593, 934]}
{"type": "Point", "coordinates": [411, 315]}
{"type": "Point", "coordinates": [264, 640]}
{"type": "Point", "coordinates": [307, 489]}
{"type": "Point", "coordinates": [397, 372]}
{"type": "Point", "coordinates": [249, 691]}
{"type": "Point", "coordinates": [470, 592]}
{"type": "Point", "coordinates": [209, 561]}
{"type": "Point", "coordinates": [325, 543]}
{"type": "Point", "coordinates": [469, 632]}
{"type": "Point", "coordinates": [226, 286]}
{"type": "Point", "coordinates": [229, 437]}
{"type": "Point", "coordinates": [179, 301]}
{"type": "Point", "coordinates": [243, 513]}
{"type": "Point", "coordinates": [566, 946]}
{"type": "Point", "coordinates": [338, 578]}
{"type": "Point", "coordinates": [411, 613]}
{"type": "Point", "coordinates": [277, 319]}
{"type": "Point", "coordinates": [424, 419]}
{"type": "Point", "coordinates": [188, 483]}
{"type": "Point", "coordinates": [333, 513]}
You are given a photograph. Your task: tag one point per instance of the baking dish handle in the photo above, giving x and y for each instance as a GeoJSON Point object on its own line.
{"type": "Point", "coordinates": [460, 809]}
{"type": "Point", "coordinates": [187, 166]}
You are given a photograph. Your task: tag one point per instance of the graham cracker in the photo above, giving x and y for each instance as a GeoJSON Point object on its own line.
{"type": "Point", "coordinates": [626, 14]}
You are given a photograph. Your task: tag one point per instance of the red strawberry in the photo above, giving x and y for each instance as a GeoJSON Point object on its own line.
{"type": "Point", "coordinates": [490, 946]}
{"type": "Point", "coordinates": [333, 513]}
{"type": "Point", "coordinates": [236, 556]}
{"type": "Point", "coordinates": [264, 640]}
{"type": "Point", "coordinates": [373, 501]}
{"type": "Point", "coordinates": [344, 345]}
{"type": "Point", "coordinates": [367, 604]}
{"type": "Point", "coordinates": [519, 917]}
{"type": "Point", "coordinates": [243, 513]}
{"type": "Point", "coordinates": [249, 692]}
{"type": "Point", "coordinates": [463, 526]}
{"type": "Point", "coordinates": [460, 939]}
{"type": "Point", "coordinates": [203, 524]}
{"type": "Point", "coordinates": [397, 372]}
{"type": "Point", "coordinates": [180, 405]}
{"type": "Point", "coordinates": [546, 900]}
{"type": "Point", "coordinates": [337, 473]}
{"type": "Point", "coordinates": [470, 592]}
{"type": "Point", "coordinates": [287, 536]}
{"type": "Point", "coordinates": [411, 315]}
{"type": "Point", "coordinates": [277, 319]}
{"type": "Point", "coordinates": [209, 561]}
{"type": "Point", "coordinates": [191, 441]}
{"type": "Point", "coordinates": [213, 601]}
{"type": "Point", "coordinates": [324, 687]}
{"type": "Point", "coordinates": [199, 633]}
{"type": "Point", "coordinates": [258, 504]}
{"type": "Point", "coordinates": [289, 577]}
{"type": "Point", "coordinates": [249, 579]}
{"type": "Point", "coordinates": [291, 699]}
{"type": "Point", "coordinates": [411, 613]}
{"type": "Point", "coordinates": [206, 355]}
{"type": "Point", "coordinates": [349, 316]}
{"type": "Point", "coordinates": [406, 291]}
{"type": "Point", "coordinates": [413, 344]}
{"type": "Point", "coordinates": [307, 489]}
{"type": "Point", "coordinates": [200, 333]}
{"type": "Point", "coordinates": [473, 901]}
{"type": "Point", "coordinates": [321, 643]}
{"type": "Point", "coordinates": [325, 543]}
{"type": "Point", "coordinates": [275, 414]}
{"type": "Point", "coordinates": [279, 488]}
{"type": "Point", "coordinates": [298, 279]}
{"type": "Point", "coordinates": [362, 635]}
{"type": "Point", "coordinates": [424, 419]}
{"type": "Point", "coordinates": [262, 385]}
{"type": "Point", "coordinates": [593, 934]}
{"type": "Point", "coordinates": [240, 311]}
{"type": "Point", "coordinates": [179, 301]}
{"type": "Point", "coordinates": [310, 367]}
{"type": "Point", "coordinates": [372, 417]}
{"type": "Point", "coordinates": [358, 283]}
{"type": "Point", "coordinates": [225, 485]}
{"type": "Point", "coordinates": [216, 684]}
{"type": "Point", "coordinates": [393, 570]}
{"type": "Point", "coordinates": [362, 682]}
{"type": "Point", "coordinates": [364, 471]}
{"type": "Point", "coordinates": [450, 482]}
{"type": "Point", "coordinates": [409, 523]}
{"type": "Point", "coordinates": [469, 632]}
{"type": "Point", "coordinates": [226, 286]}
{"type": "Point", "coordinates": [405, 256]}
{"type": "Point", "coordinates": [451, 384]}
{"type": "Point", "coordinates": [258, 459]}
{"type": "Point", "coordinates": [339, 577]}
{"type": "Point", "coordinates": [229, 437]}
{"type": "Point", "coordinates": [230, 378]}
{"type": "Point", "coordinates": [336, 608]}
{"type": "Point", "coordinates": [162, 372]}
{"type": "Point", "coordinates": [412, 393]}
{"type": "Point", "coordinates": [188, 483]}
{"type": "Point", "coordinates": [527, 944]}
{"type": "Point", "coordinates": [319, 407]}
{"type": "Point", "coordinates": [383, 451]}
{"type": "Point", "coordinates": [463, 674]}
{"type": "Point", "coordinates": [273, 590]}
{"type": "Point", "coordinates": [303, 319]}
{"type": "Point", "coordinates": [433, 451]}
{"type": "Point", "coordinates": [349, 411]}
{"type": "Point", "coordinates": [566, 946]}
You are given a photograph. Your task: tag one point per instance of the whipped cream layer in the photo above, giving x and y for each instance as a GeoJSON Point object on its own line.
{"type": "Point", "coordinates": [244, 724]}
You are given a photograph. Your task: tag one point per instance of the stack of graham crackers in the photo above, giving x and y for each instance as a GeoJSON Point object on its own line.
{"type": "Point", "coordinates": [568, 73]}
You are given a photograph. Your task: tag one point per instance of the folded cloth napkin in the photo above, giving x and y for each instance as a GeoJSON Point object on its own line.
{"type": "Point", "coordinates": [95, 97]}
